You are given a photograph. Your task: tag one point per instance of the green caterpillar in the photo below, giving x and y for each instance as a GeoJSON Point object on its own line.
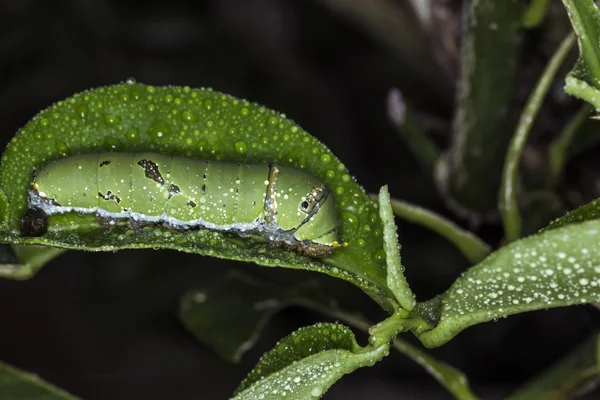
{"type": "Point", "coordinates": [280, 203]}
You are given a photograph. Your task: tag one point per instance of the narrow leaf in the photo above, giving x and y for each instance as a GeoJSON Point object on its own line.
{"type": "Point", "coordinates": [556, 268]}
{"type": "Point", "coordinates": [395, 271]}
{"type": "Point", "coordinates": [19, 385]}
{"type": "Point", "coordinates": [584, 80]}
{"type": "Point", "coordinates": [306, 363]}
{"type": "Point", "coordinates": [470, 173]}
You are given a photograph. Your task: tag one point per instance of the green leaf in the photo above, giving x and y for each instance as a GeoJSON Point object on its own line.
{"type": "Point", "coordinates": [19, 385]}
{"type": "Point", "coordinates": [229, 313]}
{"type": "Point", "coordinates": [586, 212]}
{"type": "Point", "coordinates": [471, 171]}
{"type": "Point", "coordinates": [559, 267]}
{"type": "Point", "coordinates": [395, 271]}
{"type": "Point", "coordinates": [584, 80]}
{"type": "Point", "coordinates": [306, 363]}
{"type": "Point", "coordinates": [231, 323]}
{"type": "Point", "coordinates": [567, 379]}
{"type": "Point", "coordinates": [198, 123]}
{"type": "Point", "coordinates": [24, 261]}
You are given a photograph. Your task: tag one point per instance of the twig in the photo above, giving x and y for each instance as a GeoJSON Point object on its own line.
{"type": "Point", "coordinates": [557, 152]}
{"type": "Point", "coordinates": [508, 205]}
{"type": "Point", "coordinates": [535, 13]}
{"type": "Point", "coordinates": [472, 247]}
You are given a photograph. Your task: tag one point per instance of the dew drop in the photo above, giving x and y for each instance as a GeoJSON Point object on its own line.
{"type": "Point", "coordinates": [111, 119]}
{"type": "Point", "coordinates": [159, 130]}
{"type": "Point", "coordinates": [82, 111]}
{"type": "Point", "coordinates": [188, 116]}
{"type": "Point", "coordinates": [110, 144]}
{"type": "Point", "coordinates": [244, 111]}
{"type": "Point", "coordinates": [241, 147]}
{"type": "Point", "coordinates": [350, 219]}
{"type": "Point", "coordinates": [132, 135]}
{"type": "Point", "coordinates": [62, 148]}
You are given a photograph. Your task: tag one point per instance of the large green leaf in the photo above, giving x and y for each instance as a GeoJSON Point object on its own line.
{"type": "Point", "coordinates": [306, 363]}
{"type": "Point", "coordinates": [558, 267]}
{"type": "Point", "coordinates": [19, 385]}
{"type": "Point", "coordinates": [584, 80]}
{"type": "Point", "coordinates": [196, 123]}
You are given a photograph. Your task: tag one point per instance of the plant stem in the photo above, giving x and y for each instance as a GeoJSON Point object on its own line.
{"type": "Point", "coordinates": [471, 246]}
{"type": "Point", "coordinates": [423, 148]}
{"type": "Point", "coordinates": [508, 205]}
{"type": "Point", "coordinates": [557, 152]}
{"type": "Point", "coordinates": [535, 13]}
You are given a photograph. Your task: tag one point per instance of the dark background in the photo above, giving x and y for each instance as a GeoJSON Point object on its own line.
{"type": "Point", "coordinates": [103, 326]}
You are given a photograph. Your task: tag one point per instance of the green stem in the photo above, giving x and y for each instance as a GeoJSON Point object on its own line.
{"type": "Point", "coordinates": [423, 148]}
{"type": "Point", "coordinates": [535, 13]}
{"type": "Point", "coordinates": [453, 380]}
{"type": "Point", "coordinates": [557, 152]}
{"type": "Point", "coordinates": [471, 246]}
{"type": "Point", "coordinates": [509, 208]}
